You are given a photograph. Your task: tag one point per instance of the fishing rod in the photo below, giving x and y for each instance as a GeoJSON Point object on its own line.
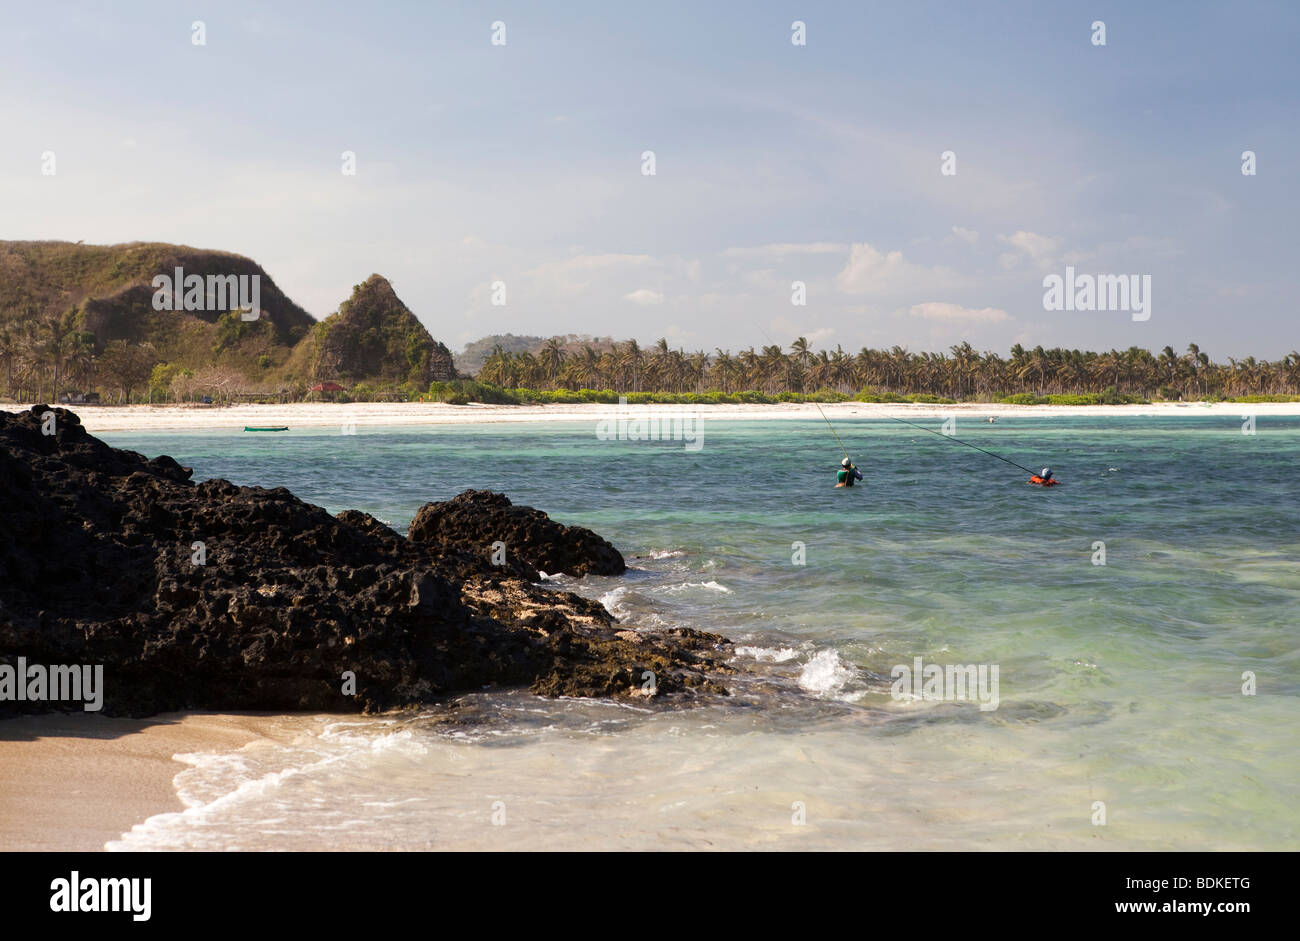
{"type": "Point", "coordinates": [959, 441]}
{"type": "Point", "coordinates": [837, 437]}
{"type": "Point", "coordinates": [771, 342]}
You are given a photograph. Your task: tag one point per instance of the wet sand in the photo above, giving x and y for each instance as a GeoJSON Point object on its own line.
{"type": "Point", "coordinates": [75, 782]}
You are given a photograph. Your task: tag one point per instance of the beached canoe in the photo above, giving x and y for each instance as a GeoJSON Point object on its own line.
{"type": "Point", "coordinates": [277, 428]}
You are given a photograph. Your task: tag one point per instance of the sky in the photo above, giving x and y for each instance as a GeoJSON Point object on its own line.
{"type": "Point", "coordinates": [522, 163]}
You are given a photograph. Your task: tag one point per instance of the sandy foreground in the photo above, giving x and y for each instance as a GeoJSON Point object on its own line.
{"type": "Point", "coordinates": [98, 419]}
{"type": "Point", "coordinates": [75, 782]}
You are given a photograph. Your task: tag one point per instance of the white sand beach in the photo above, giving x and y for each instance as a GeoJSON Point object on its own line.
{"type": "Point", "coordinates": [75, 782]}
{"type": "Point", "coordinates": [98, 419]}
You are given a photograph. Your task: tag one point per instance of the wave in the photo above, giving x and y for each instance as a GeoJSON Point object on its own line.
{"type": "Point", "coordinates": [710, 585]}
{"type": "Point", "coordinates": [614, 602]}
{"type": "Point", "coordinates": [826, 675]}
{"type": "Point", "coordinates": [768, 654]}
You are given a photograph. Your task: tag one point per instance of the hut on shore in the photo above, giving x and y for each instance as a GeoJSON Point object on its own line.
{"type": "Point", "coordinates": [327, 388]}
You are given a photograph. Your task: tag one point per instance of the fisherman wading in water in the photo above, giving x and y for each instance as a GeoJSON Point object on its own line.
{"type": "Point", "coordinates": [847, 474]}
{"type": "Point", "coordinates": [1044, 478]}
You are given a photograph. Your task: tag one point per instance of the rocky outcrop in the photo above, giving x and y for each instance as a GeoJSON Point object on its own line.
{"type": "Point", "coordinates": [375, 336]}
{"type": "Point", "coordinates": [528, 540]}
{"type": "Point", "coordinates": [213, 596]}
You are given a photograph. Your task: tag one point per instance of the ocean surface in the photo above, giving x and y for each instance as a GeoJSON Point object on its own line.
{"type": "Point", "coordinates": [1119, 686]}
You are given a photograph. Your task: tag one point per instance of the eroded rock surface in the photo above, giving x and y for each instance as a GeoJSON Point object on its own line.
{"type": "Point", "coordinates": [213, 596]}
{"type": "Point", "coordinates": [531, 541]}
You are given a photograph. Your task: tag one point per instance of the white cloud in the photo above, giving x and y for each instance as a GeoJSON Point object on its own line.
{"type": "Point", "coordinates": [969, 236]}
{"type": "Point", "coordinates": [1039, 249]}
{"type": "Point", "coordinates": [871, 271]}
{"type": "Point", "coordinates": [777, 250]}
{"type": "Point", "coordinates": [939, 310]}
{"type": "Point", "coordinates": [644, 297]}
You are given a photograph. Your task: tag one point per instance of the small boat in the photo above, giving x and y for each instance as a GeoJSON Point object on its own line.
{"type": "Point", "coordinates": [276, 428]}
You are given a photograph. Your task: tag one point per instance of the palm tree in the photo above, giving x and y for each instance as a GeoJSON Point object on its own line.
{"type": "Point", "coordinates": [960, 373]}
{"type": "Point", "coordinates": [724, 367]}
{"type": "Point", "coordinates": [52, 346]}
{"type": "Point", "coordinates": [81, 357]}
{"type": "Point", "coordinates": [9, 349]}
{"type": "Point", "coordinates": [632, 358]}
{"type": "Point", "coordinates": [551, 359]}
{"type": "Point", "coordinates": [802, 354]}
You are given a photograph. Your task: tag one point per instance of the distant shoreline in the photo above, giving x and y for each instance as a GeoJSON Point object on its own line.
{"type": "Point", "coordinates": [117, 418]}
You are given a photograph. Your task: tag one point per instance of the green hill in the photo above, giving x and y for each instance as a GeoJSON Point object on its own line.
{"type": "Point", "coordinates": [83, 317]}
{"type": "Point", "coordinates": [374, 336]}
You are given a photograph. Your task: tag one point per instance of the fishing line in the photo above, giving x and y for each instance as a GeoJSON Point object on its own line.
{"type": "Point", "coordinates": [771, 342]}
{"type": "Point", "coordinates": [914, 425]}
{"type": "Point", "coordinates": [959, 441]}
{"type": "Point", "coordinates": [837, 437]}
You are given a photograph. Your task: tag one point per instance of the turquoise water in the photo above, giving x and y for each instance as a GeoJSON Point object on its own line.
{"type": "Point", "coordinates": [1119, 683]}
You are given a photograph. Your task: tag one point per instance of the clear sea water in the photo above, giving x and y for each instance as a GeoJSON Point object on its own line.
{"type": "Point", "coordinates": [1118, 683]}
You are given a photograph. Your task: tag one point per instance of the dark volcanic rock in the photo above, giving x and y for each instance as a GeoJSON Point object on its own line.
{"type": "Point", "coordinates": [100, 564]}
{"type": "Point", "coordinates": [476, 519]}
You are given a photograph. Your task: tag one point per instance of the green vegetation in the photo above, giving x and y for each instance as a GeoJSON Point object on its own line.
{"type": "Point", "coordinates": [1037, 376]}
{"type": "Point", "coordinates": [375, 337]}
{"type": "Point", "coordinates": [463, 391]}
{"type": "Point", "coordinates": [80, 318]}
{"type": "Point", "coordinates": [471, 359]}
{"type": "Point", "coordinates": [1109, 397]}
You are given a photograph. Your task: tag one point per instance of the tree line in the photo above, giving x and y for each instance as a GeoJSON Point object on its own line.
{"type": "Point", "coordinates": [961, 373]}
{"type": "Point", "coordinates": [51, 355]}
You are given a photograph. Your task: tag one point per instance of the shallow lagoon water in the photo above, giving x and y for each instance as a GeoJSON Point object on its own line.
{"type": "Point", "coordinates": [1119, 683]}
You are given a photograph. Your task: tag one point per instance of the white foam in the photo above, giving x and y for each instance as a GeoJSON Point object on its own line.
{"type": "Point", "coordinates": [768, 654]}
{"type": "Point", "coordinates": [825, 674]}
{"type": "Point", "coordinates": [709, 585]}
{"type": "Point", "coordinates": [613, 602]}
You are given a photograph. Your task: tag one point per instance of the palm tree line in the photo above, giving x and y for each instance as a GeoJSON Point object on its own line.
{"type": "Point", "coordinates": [49, 355]}
{"type": "Point", "coordinates": [960, 373]}
{"type": "Point", "coordinates": [40, 355]}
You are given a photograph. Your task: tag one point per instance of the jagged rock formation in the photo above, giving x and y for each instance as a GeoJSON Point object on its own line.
{"type": "Point", "coordinates": [99, 565]}
{"type": "Point", "coordinates": [375, 335]}
{"type": "Point", "coordinates": [531, 541]}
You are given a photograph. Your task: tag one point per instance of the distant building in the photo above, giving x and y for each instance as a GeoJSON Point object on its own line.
{"type": "Point", "coordinates": [327, 388]}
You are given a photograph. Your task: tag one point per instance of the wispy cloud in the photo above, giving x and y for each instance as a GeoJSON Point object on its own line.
{"type": "Point", "coordinates": [644, 297]}
{"type": "Point", "coordinates": [870, 270]}
{"type": "Point", "coordinates": [955, 313]}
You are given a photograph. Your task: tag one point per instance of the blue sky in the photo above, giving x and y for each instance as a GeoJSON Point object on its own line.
{"type": "Point", "coordinates": [775, 163]}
